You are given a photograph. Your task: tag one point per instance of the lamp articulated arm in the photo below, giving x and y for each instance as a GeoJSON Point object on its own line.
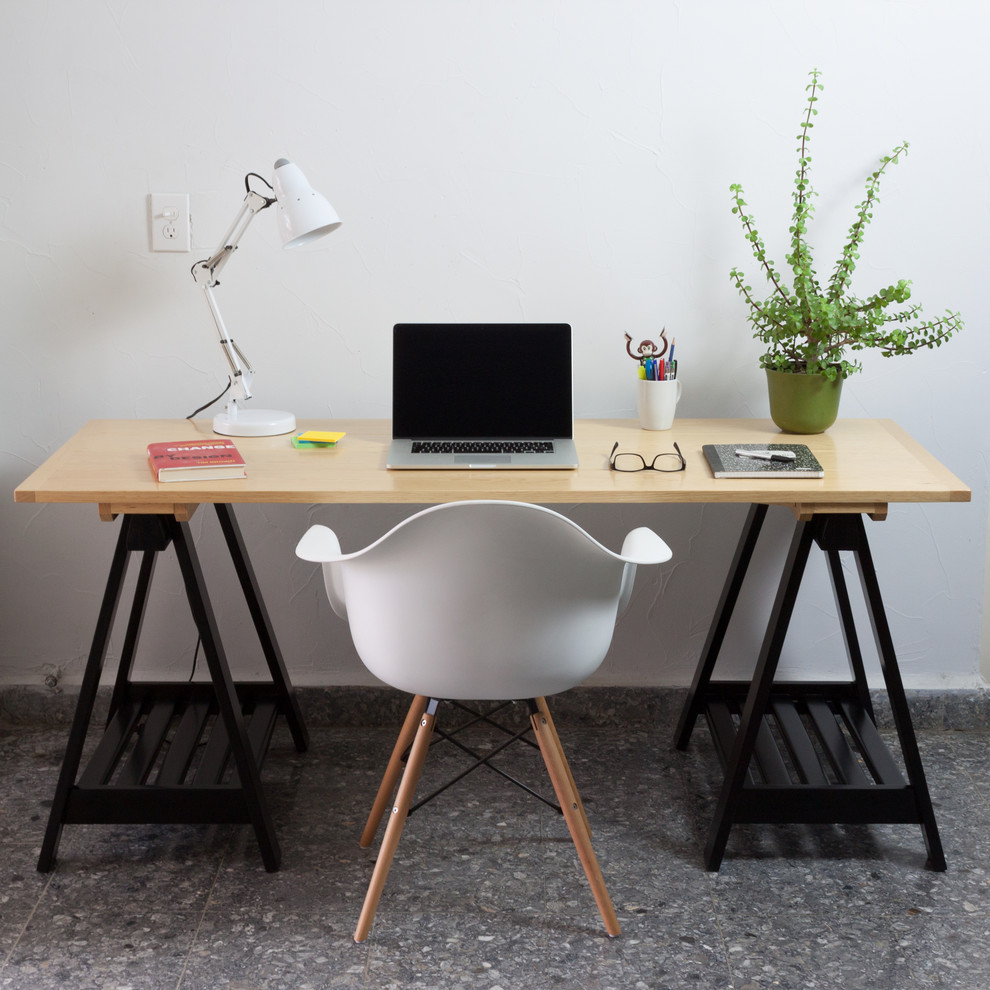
{"type": "Point", "coordinates": [206, 273]}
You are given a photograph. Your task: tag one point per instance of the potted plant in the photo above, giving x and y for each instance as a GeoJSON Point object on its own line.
{"type": "Point", "coordinates": [810, 329]}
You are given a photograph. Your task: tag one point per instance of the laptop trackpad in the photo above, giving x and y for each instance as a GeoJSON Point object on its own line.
{"type": "Point", "coordinates": [482, 460]}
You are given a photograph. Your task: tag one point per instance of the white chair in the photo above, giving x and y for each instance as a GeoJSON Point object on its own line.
{"type": "Point", "coordinates": [482, 600]}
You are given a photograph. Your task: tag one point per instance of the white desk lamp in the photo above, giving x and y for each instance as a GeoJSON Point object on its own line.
{"type": "Point", "coordinates": [302, 216]}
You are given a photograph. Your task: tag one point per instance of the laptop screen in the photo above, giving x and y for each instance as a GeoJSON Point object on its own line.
{"type": "Point", "coordinates": [477, 380]}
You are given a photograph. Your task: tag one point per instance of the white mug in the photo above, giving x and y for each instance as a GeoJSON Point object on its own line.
{"type": "Point", "coordinates": [656, 402]}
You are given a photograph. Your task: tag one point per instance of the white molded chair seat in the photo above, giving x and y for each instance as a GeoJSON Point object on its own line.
{"type": "Point", "coordinates": [481, 600]}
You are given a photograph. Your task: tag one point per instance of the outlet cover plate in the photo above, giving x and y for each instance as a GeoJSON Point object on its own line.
{"type": "Point", "coordinates": [169, 217]}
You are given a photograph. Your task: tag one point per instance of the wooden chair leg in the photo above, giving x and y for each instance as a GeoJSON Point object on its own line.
{"type": "Point", "coordinates": [400, 811]}
{"type": "Point", "coordinates": [570, 803]}
{"type": "Point", "coordinates": [393, 771]}
{"type": "Point", "coordinates": [541, 703]}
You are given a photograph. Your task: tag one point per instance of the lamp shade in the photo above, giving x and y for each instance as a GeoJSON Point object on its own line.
{"type": "Point", "coordinates": [303, 214]}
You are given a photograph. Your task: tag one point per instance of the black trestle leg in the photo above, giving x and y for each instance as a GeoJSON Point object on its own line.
{"type": "Point", "coordinates": [263, 626]}
{"type": "Point", "coordinates": [87, 699]}
{"type": "Point", "coordinates": [171, 751]}
{"type": "Point", "coordinates": [840, 769]}
{"type": "Point", "coordinates": [697, 693]}
{"type": "Point", "coordinates": [898, 702]}
{"type": "Point", "coordinates": [226, 695]}
{"type": "Point", "coordinates": [759, 694]}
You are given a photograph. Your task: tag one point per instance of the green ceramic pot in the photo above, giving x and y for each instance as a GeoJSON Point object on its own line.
{"type": "Point", "coordinates": [803, 403]}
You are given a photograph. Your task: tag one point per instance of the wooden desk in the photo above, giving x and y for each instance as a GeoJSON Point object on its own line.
{"type": "Point", "coordinates": [868, 463]}
{"type": "Point", "coordinates": [798, 753]}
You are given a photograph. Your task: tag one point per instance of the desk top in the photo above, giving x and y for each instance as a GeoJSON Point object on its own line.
{"type": "Point", "coordinates": [868, 463]}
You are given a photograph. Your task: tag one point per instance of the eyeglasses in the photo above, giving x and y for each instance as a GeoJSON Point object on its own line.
{"type": "Point", "coordinates": [636, 462]}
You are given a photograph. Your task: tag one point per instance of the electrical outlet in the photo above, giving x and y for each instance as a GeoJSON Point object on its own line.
{"type": "Point", "coordinates": [169, 213]}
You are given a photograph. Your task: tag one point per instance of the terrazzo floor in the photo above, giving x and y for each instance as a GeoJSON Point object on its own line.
{"type": "Point", "coordinates": [486, 890]}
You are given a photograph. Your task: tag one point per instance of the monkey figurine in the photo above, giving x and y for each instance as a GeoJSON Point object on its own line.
{"type": "Point", "coordinates": [647, 349]}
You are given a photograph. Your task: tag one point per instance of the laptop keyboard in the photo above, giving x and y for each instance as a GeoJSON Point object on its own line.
{"type": "Point", "coordinates": [482, 447]}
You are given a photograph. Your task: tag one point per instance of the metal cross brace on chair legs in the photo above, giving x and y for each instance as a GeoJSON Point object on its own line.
{"type": "Point", "coordinates": [482, 759]}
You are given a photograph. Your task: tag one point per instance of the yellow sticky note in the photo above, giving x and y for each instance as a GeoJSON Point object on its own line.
{"type": "Point", "coordinates": [320, 436]}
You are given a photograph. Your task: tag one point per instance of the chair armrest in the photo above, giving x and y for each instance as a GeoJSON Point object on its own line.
{"type": "Point", "coordinates": [643, 546]}
{"type": "Point", "coordinates": [320, 545]}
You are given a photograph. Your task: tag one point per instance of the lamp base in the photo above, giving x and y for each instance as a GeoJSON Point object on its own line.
{"type": "Point", "coordinates": [254, 423]}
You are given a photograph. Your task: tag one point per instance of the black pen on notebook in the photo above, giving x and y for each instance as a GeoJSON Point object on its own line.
{"type": "Point", "coordinates": [768, 455]}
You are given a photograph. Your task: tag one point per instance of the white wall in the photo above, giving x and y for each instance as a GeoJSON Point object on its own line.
{"type": "Point", "coordinates": [514, 160]}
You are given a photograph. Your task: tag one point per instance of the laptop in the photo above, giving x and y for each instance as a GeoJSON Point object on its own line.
{"type": "Point", "coordinates": [482, 395]}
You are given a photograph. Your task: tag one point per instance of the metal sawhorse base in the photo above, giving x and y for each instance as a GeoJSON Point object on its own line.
{"type": "Point", "coordinates": [807, 753]}
{"type": "Point", "coordinates": [175, 752]}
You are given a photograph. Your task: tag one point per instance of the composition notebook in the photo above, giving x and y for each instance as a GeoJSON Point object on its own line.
{"type": "Point", "coordinates": [743, 460]}
{"type": "Point", "coordinates": [482, 395]}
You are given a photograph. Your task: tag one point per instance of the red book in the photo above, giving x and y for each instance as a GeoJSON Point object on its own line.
{"type": "Point", "coordinates": [195, 460]}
